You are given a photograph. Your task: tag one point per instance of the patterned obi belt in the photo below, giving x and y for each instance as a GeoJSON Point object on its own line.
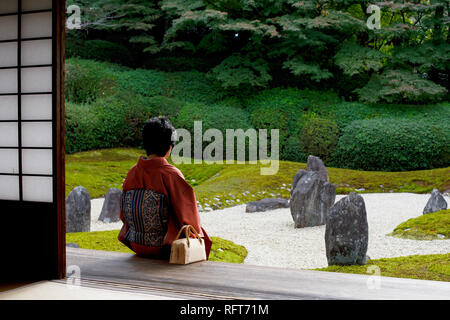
{"type": "Point", "coordinates": [146, 213]}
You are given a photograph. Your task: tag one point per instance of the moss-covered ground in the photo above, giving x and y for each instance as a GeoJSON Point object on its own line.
{"type": "Point", "coordinates": [425, 267]}
{"type": "Point", "coordinates": [225, 185]}
{"type": "Point", "coordinates": [429, 226]}
{"type": "Point", "coordinates": [221, 250]}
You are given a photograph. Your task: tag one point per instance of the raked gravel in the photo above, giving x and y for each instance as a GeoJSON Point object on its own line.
{"type": "Point", "coordinates": [272, 240]}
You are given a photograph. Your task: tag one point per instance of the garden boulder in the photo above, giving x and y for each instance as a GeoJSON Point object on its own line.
{"type": "Point", "coordinates": [311, 197]}
{"type": "Point", "coordinates": [111, 206]}
{"type": "Point", "coordinates": [266, 204]}
{"type": "Point", "coordinates": [315, 164]}
{"type": "Point", "coordinates": [78, 211]}
{"type": "Point", "coordinates": [347, 232]}
{"type": "Point", "coordinates": [435, 203]}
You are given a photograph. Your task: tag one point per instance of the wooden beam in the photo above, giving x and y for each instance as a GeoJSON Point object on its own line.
{"type": "Point", "coordinates": [241, 281]}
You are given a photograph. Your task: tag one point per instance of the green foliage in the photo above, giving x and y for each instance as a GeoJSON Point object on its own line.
{"type": "Point", "coordinates": [393, 145]}
{"type": "Point", "coordinates": [237, 71]}
{"type": "Point", "coordinates": [81, 125]}
{"type": "Point", "coordinates": [293, 150]}
{"type": "Point", "coordinates": [425, 227]}
{"type": "Point", "coordinates": [217, 116]}
{"type": "Point", "coordinates": [355, 59]}
{"type": "Point", "coordinates": [425, 267]}
{"type": "Point", "coordinates": [249, 44]}
{"type": "Point", "coordinates": [100, 50]}
{"type": "Point", "coordinates": [319, 137]}
{"type": "Point", "coordinates": [276, 109]}
{"type": "Point", "coordinates": [400, 86]}
{"type": "Point", "coordinates": [87, 80]}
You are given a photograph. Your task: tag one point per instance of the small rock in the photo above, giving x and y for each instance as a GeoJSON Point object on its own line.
{"type": "Point", "coordinates": [111, 206]}
{"type": "Point", "coordinates": [440, 236]}
{"type": "Point", "coordinates": [435, 203]}
{"type": "Point", "coordinates": [72, 245]}
{"type": "Point", "coordinates": [78, 210]}
{"type": "Point", "coordinates": [266, 204]}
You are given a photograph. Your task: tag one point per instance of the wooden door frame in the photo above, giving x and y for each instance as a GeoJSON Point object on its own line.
{"type": "Point", "coordinates": [59, 27]}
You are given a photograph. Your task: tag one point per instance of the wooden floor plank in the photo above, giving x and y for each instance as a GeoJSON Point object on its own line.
{"type": "Point", "coordinates": [242, 281]}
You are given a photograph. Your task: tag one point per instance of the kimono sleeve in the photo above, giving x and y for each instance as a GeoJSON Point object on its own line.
{"type": "Point", "coordinates": [184, 203]}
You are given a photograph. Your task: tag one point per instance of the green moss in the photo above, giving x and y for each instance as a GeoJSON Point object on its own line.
{"type": "Point", "coordinates": [98, 240]}
{"type": "Point", "coordinates": [425, 227]}
{"type": "Point", "coordinates": [100, 170]}
{"type": "Point", "coordinates": [227, 251]}
{"type": "Point", "coordinates": [222, 250]}
{"type": "Point", "coordinates": [425, 267]}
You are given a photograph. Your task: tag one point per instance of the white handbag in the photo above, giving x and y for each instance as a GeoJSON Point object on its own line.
{"type": "Point", "coordinates": [187, 250]}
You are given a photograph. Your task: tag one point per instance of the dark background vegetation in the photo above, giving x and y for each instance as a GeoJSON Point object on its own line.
{"type": "Point", "coordinates": [358, 98]}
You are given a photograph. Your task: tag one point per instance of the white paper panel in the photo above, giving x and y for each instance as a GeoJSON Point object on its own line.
{"type": "Point", "coordinates": [9, 134]}
{"type": "Point", "coordinates": [9, 161]}
{"type": "Point", "coordinates": [36, 134]}
{"type": "Point", "coordinates": [8, 107]}
{"type": "Point", "coordinates": [28, 5]}
{"type": "Point", "coordinates": [36, 79]}
{"type": "Point", "coordinates": [8, 80]}
{"type": "Point", "coordinates": [36, 52]}
{"type": "Point", "coordinates": [37, 107]}
{"type": "Point", "coordinates": [9, 188]}
{"type": "Point", "coordinates": [8, 54]}
{"type": "Point", "coordinates": [8, 6]}
{"type": "Point", "coordinates": [8, 26]}
{"type": "Point", "coordinates": [39, 189]}
{"type": "Point", "coordinates": [36, 25]}
{"type": "Point", "coordinates": [37, 161]}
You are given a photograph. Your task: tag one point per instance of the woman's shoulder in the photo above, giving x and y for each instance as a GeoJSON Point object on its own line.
{"type": "Point", "coordinates": [173, 171]}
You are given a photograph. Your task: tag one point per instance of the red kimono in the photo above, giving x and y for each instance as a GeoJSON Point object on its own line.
{"type": "Point", "coordinates": [158, 175]}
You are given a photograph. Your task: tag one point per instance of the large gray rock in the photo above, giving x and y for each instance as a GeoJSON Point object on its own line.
{"type": "Point", "coordinates": [266, 204]}
{"type": "Point", "coordinates": [111, 206]}
{"type": "Point", "coordinates": [435, 203]}
{"type": "Point", "coordinates": [315, 164]}
{"type": "Point", "coordinates": [347, 232]}
{"type": "Point", "coordinates": [78, 211]}
{"type": "Point", "coordinates": [311, 197]}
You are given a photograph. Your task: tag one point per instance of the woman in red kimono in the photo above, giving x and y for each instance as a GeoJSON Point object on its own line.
{"type": "Point", "coordinates": [156, 174]}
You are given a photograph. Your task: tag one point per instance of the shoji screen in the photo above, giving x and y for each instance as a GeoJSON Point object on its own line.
{"type": "Point", "coordinates": [31, 144]}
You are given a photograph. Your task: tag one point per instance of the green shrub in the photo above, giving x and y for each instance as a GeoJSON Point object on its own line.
{"type": "Point", "coordinates": [86, 80]}
{"type": "Point", "coordinates": [144, 82]}
{"type": "Point", "coordinates": [277, 109]}
{"type": "Point", "coordinates": [83, 128]}
{"type": "Point", "coordinates": [319, 137]}
{"type": "Point", "coordinates": [217, 116]}
{"type": "Point", "coordinates": [293, 150]}
{"type": "Point", "coordinates": [393, 145]}
{"type": "Point", "coordinates": [346, 112]}
{"type": "Point", "coordinates": [100, 50]}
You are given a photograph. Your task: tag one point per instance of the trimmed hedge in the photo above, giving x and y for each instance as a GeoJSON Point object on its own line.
{"type": "Point", "coordinates": [319, 137]}
{"type": "Point", "coordinates": [87, 80]}
{"type": "Point", "coordinates": [217, 116]}
{"type": "Point", "coordinates": [277, 109]}
{"type": "Point", "coordinates": [393, 145]}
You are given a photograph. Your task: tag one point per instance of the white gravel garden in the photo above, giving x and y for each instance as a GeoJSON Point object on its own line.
{"type": "Point", "coordinates": [272, 240]}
